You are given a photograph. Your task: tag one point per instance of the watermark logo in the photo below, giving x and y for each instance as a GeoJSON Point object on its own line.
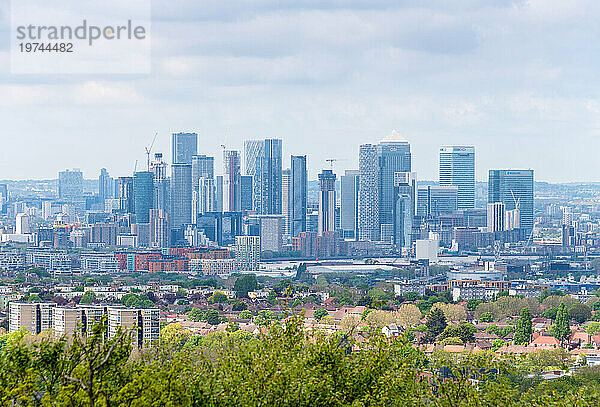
{"type": "Point", "coordinates": [80, 37]}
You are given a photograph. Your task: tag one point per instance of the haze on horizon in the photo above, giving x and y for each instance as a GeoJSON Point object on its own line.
{"type": "Point", "coordinates": [516, 79]}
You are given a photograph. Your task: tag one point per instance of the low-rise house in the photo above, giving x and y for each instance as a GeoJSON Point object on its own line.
{"type": "Point", "coordinates": [545, 342]}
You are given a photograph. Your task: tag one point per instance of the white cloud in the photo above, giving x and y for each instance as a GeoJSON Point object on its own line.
{"type": "Point", "coordinates": [510, 77]}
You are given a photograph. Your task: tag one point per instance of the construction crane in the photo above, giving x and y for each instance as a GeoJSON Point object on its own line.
{"type": "Point", "coordinates": [149, 149]}
{"type": "Point", "coordinates": [332, 161]}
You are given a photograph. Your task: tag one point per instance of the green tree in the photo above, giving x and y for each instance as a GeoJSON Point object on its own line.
{"type": "Point", "coordinates": [523, 328]}
{"type": "Point", "coordinates": [218, 297]}
{"type": "Point", "coordinates": [264, 317]}
{"type": "Point", "coordinates": [465, 332]}
{"type": "Point", "coordinates": [245, 315]}
{"type": "Point", "coordinates": [486, 317]}
{"type": "Point", "coordinates": [88, 298]}
{"type": "Point", "coordinates": [320, 313]}
{"type": "Point", "coordinates": [245, 284]}
{"type": "Point", "coordinates": [580, 312]}
{"type": "Point", "coordinates": [34, 298]}
{"type": "Point", "coordinates": [473, 303]}
{"type": "Point", "coordinates": [562, 329]}
{"type": "Point", "coordinates": [195, 314]}
{"type": "Point", "coordinates": [212, 316]}
{"type": "Point", "coordinates": [550, 313]}
{"type": "Point", "coordinates": [436, 322]}
{"type": "Point", "coordinates": [493, 329]}
{"type": "Point", "coordinates": [239, 306]}
{"type": "Point", "coordinates": [593, 328]}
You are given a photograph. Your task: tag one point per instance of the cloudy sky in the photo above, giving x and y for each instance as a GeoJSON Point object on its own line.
{"type": "Point", "coordinates": [516, 79]}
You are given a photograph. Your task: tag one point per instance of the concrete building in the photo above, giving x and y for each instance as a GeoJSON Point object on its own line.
{"type": "Point", "coordinates": [327, 201]}
{"type": "Point", "coordinates": [212, 267]}
{"type": "Point", "coordinates": [35, 317]}
{"type": "Point", "coordinates": [474, 292]}
{"type": "Point", "coordinates": [427, 249]}
{"type": "Point", "coordinates": [247, 253]}
{"type": "Point", "coordinates": [271, 232]}
{"type": "Point", "coordinates": [66, 321]}
{"type": "Point", "coordinates": [70, 185]}
{"type": "Point", "coordinates": [143, 323]}
{"type": "Point", "coordinates": [495, 217]}
{"type": "Point", "coordinates": [22, 224]}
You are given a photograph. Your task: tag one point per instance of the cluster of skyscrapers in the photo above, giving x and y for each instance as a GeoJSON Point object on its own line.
{"type": "Point", "coordinates": [381, 201]}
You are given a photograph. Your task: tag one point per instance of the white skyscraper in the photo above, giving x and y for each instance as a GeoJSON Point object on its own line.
{"type": "Point", "coordinates": [495, 217]}
{"type": "Point", "coordinates": [457, 168]}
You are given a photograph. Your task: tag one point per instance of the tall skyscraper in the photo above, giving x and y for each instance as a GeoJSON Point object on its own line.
{"type": "Point", "coordinates": [219, 193]}
{"type": "Point", "coordinates": [106, 185]}
{"type": "Point", "coordinates": [183, 147]}
{"type": "Point", "coordinates": [349, 204]}
{"type": "Point", "coordinates": [207, 196]}
{"type": "Point", "coordinates": [247, 192]}
{"type": "Point", "coordinates": [394, 156]}
{"type": "Point", "coordinates": [125, 195]}
{"type": "Point", "coordinates": [405, 185]}
{"type": "Point", "coordinates": [143, 192]}
{"type": "Point", "coordinates": [457, 168]}
{"type": "Point", "coordinates": [286, 178]}
{"type": "Point", "coordinates": [202, 171]}
{"type": "Point", "coordinates": [181, 197]}
{"type": "Point", "coordinates": [368, 193]}
{"type": "Point", "coordinates": [263, 162]}
{"type": "Point", "coordinates": [202, 167]}
{"type": "Point", "coordinates": [160, 230]}
{"type": "Point", "coordinates": [514, 188]}
{"type": "Point", "coordinates": [162, 186]}
{"type": "Point", "coordinates": [298, 195]}
{"type": "Point", "coordinates": [326, 201]}
{"type": "Point", "coordinates": [70, 185]}
{"type": "Point", "coordinates": [232, 200]}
